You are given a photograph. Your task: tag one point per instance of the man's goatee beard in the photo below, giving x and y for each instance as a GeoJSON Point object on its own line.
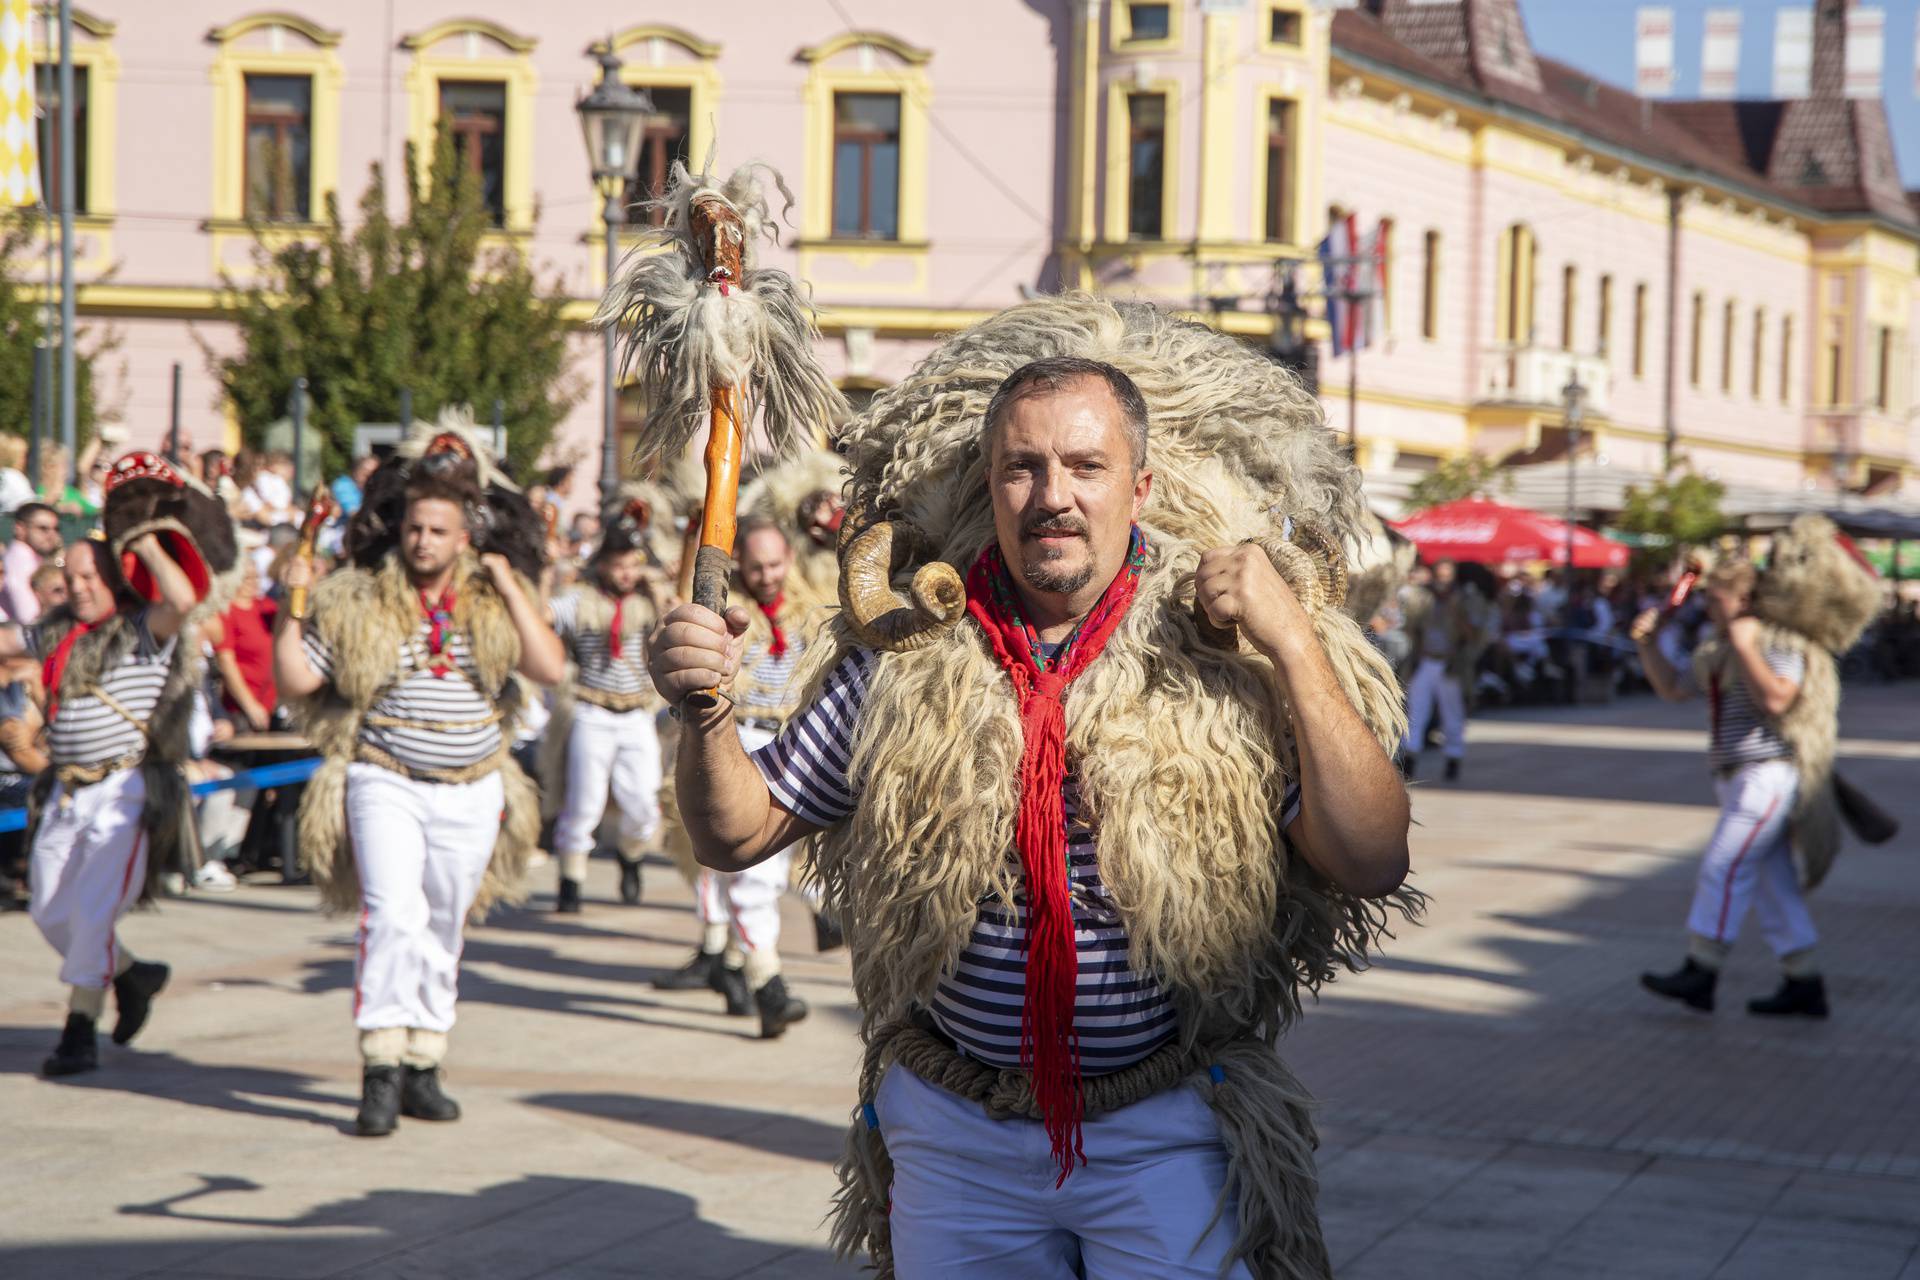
{"type": "Point", "coordinates": [1046, 576]}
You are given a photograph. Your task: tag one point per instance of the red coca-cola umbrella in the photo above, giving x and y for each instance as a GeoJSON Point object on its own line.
{"type": "Point", "coordinates": [1481, 532]}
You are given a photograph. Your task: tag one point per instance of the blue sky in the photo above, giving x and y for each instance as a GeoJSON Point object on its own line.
{"type": "Point", "coordinates": [1597, 35]}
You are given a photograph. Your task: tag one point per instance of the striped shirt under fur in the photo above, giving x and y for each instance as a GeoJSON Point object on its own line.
{"type": "Point", "coordinates": [592, 652]}
{"type": "Point", "coordinates": [417, 695]}
{"type": "Point", "coordinates": [86, 731]}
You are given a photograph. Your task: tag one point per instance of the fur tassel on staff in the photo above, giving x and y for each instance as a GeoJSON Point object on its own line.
{"type": "Point", "coordinates": [716, 340]}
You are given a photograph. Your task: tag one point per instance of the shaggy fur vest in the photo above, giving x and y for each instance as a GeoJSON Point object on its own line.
{"type": "Point", "coordinates": [594, 613]}
{"type": "Point", "coordinates": [802, 615]}
{"type": "Point", "coordinates": [168, 814]}
{"type": "Point", "coordinates": [364, 618]}
{"type": "Point", "coordinates": [1183, 759]}
{"type": "Point", "coordinates": [1811, 726]}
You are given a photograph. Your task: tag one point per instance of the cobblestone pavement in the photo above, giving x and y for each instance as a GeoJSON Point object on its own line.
{"type": "Point", "coordinates": [1499, 1098]}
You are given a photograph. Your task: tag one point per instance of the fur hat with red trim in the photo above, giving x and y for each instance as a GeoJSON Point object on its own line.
{"type": "Point", "coordinates": [146, 494]}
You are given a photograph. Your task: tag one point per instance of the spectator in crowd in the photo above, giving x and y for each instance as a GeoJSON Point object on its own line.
{"type": "Point", "coordinates": [15, 489]}
{"type": "Point", "coordinates": [266, 489]}
{"type": "Point", "coordinates": [36, 540]}
{"type": "Point", "coordinates": [49, 586]}
{"type": "Point", "coordinates": [216, 472]}
{"type": "Point", "coordinates": [68, 499]}
{"type": "Point", "coordinates": [346, 489]}
{"type": "Point", "coordinates": [583, 533]}
{"type": "Point", "coordinates": [21, 760]}
{"type": "Point", "coordinates": [243, 656]}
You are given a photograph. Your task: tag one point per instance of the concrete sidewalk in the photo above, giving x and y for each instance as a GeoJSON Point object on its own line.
{"type": "Point", "coordinates": [1499, 1098]}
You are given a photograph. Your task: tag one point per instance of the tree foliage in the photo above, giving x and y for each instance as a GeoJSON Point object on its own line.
{"type": "Point", "coordinates": [21, 321]}
{"type": "Point", "coordinates": [1683, 509]}
{"type": "Point", "coordinates": [1471, 475]}
{"type": "Point", "coordinates": [429, 303]}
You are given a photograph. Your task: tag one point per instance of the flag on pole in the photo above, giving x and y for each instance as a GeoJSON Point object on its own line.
{"type": "Point", "coordinates": [19, 162]}
{"type": "Point", "coordinates": [1336, 252]}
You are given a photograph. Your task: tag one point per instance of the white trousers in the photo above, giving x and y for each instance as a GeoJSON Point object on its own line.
{"type": "Point", "coordinates": [1749, 863]}
{"type": "Point", "coordinates": [1430, 685]}
{"type": "Point", "coordinates": [617, 751]}
{"type": "Point", "coordinates": [89, 864]}
{"type": "Point", "coordinates": [974, 1198]}
{"type": "Point", "coordinates": [422, 849]}
{"type": "Point", "coordinates": [748, 902]}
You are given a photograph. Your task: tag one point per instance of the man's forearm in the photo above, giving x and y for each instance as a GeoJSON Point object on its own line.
{"type": "Point", "coordinates": [723, 800]}
{"type": "Point", "coordinates": [1660, 672]}
{"type": "Point", "coordinates": [1774, 691]}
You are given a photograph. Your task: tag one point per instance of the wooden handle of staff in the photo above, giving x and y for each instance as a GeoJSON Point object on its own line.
{"type": "Point", "coordinates": [319, 507]}
{"type": "Point", "coordinates": [713, 562]}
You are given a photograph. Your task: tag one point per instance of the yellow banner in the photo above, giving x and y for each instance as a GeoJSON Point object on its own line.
{"type": "Point", "coordinates": [19, 163]}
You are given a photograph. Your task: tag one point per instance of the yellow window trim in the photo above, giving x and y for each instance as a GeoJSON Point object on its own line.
{"type": "Point", "coordinates": [102, 66]}
{"type": "Point", "coordinates": [916, 92]}
{"type": "Point", "coordinates": [312, 31]}
{"type": "Point", "coordinates": [422, 41]}
{"type": "Point", "coordinates": [701, 80]}
{"type": "Point", "coordinates": [1117, 26]}
{"type": "Point", "coordinates": [1296, 216]}
{"type": "Point", "coordinates": [231, 67]}
{"type": "Point", "coordinates": [516, 72]}
{"type": "Point", "coordinates": [659, 31]}
{"type": "Point", "coordinates": [1119, 126]}
{"type": "Point", "coordinates": [97, 27]}
{"type": "Point", "coordinates": [911, 54]}
{"type": "Point", "coordinates": [1267, 10]}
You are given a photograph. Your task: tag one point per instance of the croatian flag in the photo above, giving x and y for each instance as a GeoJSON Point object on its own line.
{"type": "Point", "coordinates": [1336, 270]}
{"type": "Point", "coordinates": [1353, 264]}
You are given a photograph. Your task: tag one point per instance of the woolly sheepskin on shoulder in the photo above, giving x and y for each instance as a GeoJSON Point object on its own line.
{"type": "Point", "coordinates": [1816, 585]}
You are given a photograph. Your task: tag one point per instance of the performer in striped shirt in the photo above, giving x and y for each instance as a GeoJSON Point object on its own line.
{"type": "Point", "coordinates": [402, 676]}
{"type": "Point", "coordinates": [739, 912]}
{"type": "Point", "coordinates": [1096, 817]}
{"type": "Point", "coordinates": [607, 732]}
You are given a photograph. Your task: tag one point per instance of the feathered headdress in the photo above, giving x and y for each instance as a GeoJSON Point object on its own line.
{"type": "Point", "coordinates": [689, 327]}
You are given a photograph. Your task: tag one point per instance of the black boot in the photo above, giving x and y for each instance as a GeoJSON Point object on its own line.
{"type": "Point", "coordinates": [778, 1009]}
{"type": "Point", "coordinates": [1691, 984]}
{"type": "Point", "coordinates": [421, 1099]}
{"type": "Point", "coordinates": [133, 992]}
{"type": "Point", "coordinates": [77, 1051]}
{"type": "Point", "coordinates": [630, 880]}
{"type": "Point", "coordinates": [1453, 769]}
{"type": "Point", "coordinates": [732, 983]}
{"type": "Point", "coordinates": [379, 1101]}
{"type": "Point", "coordinates": [567, 902]}
{"type": "Point", "coordinates": [827, 934]}
{"type": "Point", "coordinates": [697, 974]}
{"type": "Point", "coordinates": [1804, 996]}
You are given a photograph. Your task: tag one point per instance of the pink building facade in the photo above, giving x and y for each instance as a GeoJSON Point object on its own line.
{"type": "Point", "coordinates": [1743, 307]}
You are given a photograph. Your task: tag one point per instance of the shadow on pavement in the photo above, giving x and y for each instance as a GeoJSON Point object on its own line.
{"type": "Point", "coordinates": [252, 1091]}
{"type": "Point", "coordinates": [783, 1135]}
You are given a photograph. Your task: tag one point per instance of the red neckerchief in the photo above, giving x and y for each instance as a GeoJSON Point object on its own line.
{"type": "Point", "coordinates": [439, 614]}
{"type": "Point", "coordinates": [778, 649]}
{"type": "Point", "coordinates": [613, 637]}
{"type": "Point", "coordinates": [1049, 1045]}
{"type": "Point", "coordinates": [56, 665]}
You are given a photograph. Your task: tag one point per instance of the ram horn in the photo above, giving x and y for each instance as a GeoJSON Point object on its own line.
{"type": "Point", "coordinates": [877, 614]}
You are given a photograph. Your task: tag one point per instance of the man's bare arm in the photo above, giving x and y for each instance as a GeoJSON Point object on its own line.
{"type": "Point", "coordinates": [1665, 680]}
{"type": "Point", "coordinates": [177, 596]}
{"type": "Point", "coordinates": [1774, 692]}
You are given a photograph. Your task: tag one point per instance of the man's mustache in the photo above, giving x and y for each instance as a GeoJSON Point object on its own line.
{"type": "Point", "coordinates": [1058, 527]}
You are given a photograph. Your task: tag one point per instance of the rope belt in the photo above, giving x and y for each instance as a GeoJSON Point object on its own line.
{"type": "Point", "coordinates": [366, 753]}
{"type": "Point", "coordinates": [495, 716]}
{"type": "Point", "coordinates": [617, 702]}
{"type": "Point", "coordinates": [85, 775]}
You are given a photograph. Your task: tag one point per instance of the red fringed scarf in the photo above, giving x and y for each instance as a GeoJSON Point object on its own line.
{"type": "Point", "coordinates": [55, 666]}
{"type": "Point", "coordinates": [778, 649]}
{"type": "Point", "coordinates": [439, 614]}
{"type": "Point", "coordinates": [613, 638]}
{"type": "Point", "coordinates": [1049, 1046]}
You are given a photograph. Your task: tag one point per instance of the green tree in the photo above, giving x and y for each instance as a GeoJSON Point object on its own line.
{"type": "Point", "coordinates": [21, 317]}
{"type": "Point", "coordinates": [1683, 510]}
{"type": "Point", "coordinates": [424, 304]}
{"type": "Point", "coordinates": [1472, 475]}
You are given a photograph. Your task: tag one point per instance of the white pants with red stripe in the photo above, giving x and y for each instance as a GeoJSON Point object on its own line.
{"type": "Point", "coordinates": [89, 865]}
{"type": "Point", "coordinates": [422, 849]}
{"type": "Point", "coordinates": [1750, 864]}
{"type": "Point", "coordinates": [748, 902]}
{"type": "Point", "coordinates": [1431, 686]}
{"type": "Point", "coordinates": [617, 751]}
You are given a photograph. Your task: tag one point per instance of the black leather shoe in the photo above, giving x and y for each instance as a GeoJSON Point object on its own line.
{"type": "Point", "coordinates": [698, 974]}
{"type": "Point", "coordinates": [827, 934]}
{"type": "Point", "coordinates": [379, 1102]}
{"type": "Point", "coordinates": [421, 1099]}
{"type": "Point", "coordinates": [630, 881]}
{"type": "Point", "coordinates": [1692, 984]}
{"type": "Point", "coordinates": [77, 1051]}
{"type": "Point", "coordinates": [133, 992]}
{"type": "Point", "coordinates": [732, 984]}
{"type": "Point", "coordinates": [568, 901]}
{"type": "Point", "coordinates": [778, 1009]}
{"type": "Point", "coordinates": [1804, 996]}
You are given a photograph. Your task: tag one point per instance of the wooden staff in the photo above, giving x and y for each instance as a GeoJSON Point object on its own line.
{"type": "Point", "coordinates": [689, 544]}
{"type": "Point", "coordinates": [716, 228]}
{"type": "Point", "coordinates": [319, 509]}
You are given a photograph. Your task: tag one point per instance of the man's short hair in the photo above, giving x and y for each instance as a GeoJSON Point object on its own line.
{"type": "Point", "coordinates": [1056, 373]}
{"type": "Point", "coordinates": [48, 572]}
{"type": "Point", "coordinates": [760, 524]}
{"type": "Point", "coordinates": [1734, 575]}
{"type": "Point", "coordinates": [28, 510]}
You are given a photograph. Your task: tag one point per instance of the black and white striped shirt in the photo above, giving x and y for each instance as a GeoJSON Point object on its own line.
{"type": "Point", "coordinates": [464, 729]}
{"type": "Point", "coordinates": [1742, 735]}
{"type": "Point", "coordinates": [88, 731]}
{"type": "Point", "coordinates": [1121, 1015]}
{"type": "Point", "coordinates": [592, 651]}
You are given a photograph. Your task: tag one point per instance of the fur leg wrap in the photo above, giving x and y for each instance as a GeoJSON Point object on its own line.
{"type": "Point", "coordinates": [1264, 1114]}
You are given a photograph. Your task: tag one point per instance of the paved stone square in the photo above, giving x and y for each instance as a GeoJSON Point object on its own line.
{"type": "Point", "coordinates": [1499, 1097]}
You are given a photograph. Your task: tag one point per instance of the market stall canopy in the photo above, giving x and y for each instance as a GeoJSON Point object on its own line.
{"type": "Point", "coordinates": [1480, 532]}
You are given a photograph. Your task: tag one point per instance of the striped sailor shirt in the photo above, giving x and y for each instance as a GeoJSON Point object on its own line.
{"type": "Point", "coordinates": [1121, 1015]}
{"type": "Point", "coordinates": [463, 727]}
{"type": "Point", "coordinates": [1742, 734]}
{"type": "Point", "coordinates": [88, 730]}
{"type": "Point", "coordinates": [592, 652]}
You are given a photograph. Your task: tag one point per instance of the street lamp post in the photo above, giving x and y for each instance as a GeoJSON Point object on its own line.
{"type": "Point", "coordinates": [613, 118]}
{"type": "Point", "coordinates": [1573, 396]}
